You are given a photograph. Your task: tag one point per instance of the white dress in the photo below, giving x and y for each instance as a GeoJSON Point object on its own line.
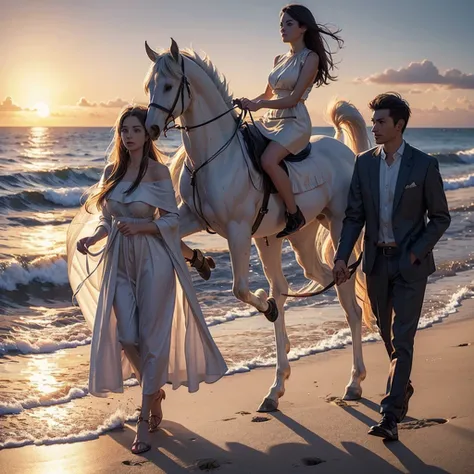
{"type": "Point", "coordinates": [291, 127]}
{"type": "Point", "coordinates": [137, 295]}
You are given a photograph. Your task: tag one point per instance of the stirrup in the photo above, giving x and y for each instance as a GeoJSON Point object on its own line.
{"type": "Point", "coordinates": [294, 222]}
{"type": "Point", "coordinates": [202, 264]}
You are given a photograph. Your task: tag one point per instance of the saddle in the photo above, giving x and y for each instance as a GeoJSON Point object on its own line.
{"type": "Point", "coordinates": [256, 143]}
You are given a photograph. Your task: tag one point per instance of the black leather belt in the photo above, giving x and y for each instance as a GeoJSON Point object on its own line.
{"type": "Point", "coordinates": [388, 251]}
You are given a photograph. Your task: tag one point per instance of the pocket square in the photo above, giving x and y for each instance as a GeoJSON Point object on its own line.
{"type": "Point", "coordinates": [410, 186]}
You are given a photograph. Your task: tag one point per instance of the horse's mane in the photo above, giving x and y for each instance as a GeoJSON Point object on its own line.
{"type": "Point", "coordinates": [165, 64]}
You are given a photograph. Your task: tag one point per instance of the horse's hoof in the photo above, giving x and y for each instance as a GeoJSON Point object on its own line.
{"type": "Point", "coordinates": [268, 405]}
{"type": "Point", "coordinates": [352, 393]}
{"type": "Point", "coordinates": [272, 311]}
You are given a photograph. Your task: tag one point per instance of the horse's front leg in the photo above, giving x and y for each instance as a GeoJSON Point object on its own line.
{"type": "Point", "coordinates": [189, 223]}
{"type": "Point", "coordinates": [270, 255]}
{"type": "Point", "coordinates": [239, 238]}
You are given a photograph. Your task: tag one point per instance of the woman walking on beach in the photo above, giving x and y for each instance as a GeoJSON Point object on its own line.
{"type": "Point", "coordinates": [140, 296]}
{"type": "Point", "coordinates": [287, 124]}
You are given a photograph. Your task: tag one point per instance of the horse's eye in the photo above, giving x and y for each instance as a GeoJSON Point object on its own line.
{"type": "Point", "coordinates": [168, 87]}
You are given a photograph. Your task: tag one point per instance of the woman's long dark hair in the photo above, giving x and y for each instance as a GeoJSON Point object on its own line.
{"type": "Point", "coordinates": [315, 41]}
{"type": "Point", "coordinates": [120, 158]}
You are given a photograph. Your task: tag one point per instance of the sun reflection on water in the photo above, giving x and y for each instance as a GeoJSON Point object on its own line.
{"type": "Point", "coordinates": [39, 150]}
{"type": "Point", "coordinates": [42, 376]}
{"type": "Point", "coordinates": [44, 240]}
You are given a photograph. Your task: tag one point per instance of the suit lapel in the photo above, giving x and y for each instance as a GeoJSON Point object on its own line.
{"type": "Point", "coordinates": [375, 180]}
{"type": "Point", "coordinates": [403, 175]}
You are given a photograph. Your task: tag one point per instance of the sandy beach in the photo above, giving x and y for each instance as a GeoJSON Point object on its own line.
{"type": "Point", "coordinates": [217, 429]}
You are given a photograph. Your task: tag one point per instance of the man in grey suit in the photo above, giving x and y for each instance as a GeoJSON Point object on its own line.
{"type": "Point", "coordinates": [394, 188]}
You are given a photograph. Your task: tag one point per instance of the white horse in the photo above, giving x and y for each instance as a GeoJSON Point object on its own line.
{"type": "Point", "coordinates": [182, 84]}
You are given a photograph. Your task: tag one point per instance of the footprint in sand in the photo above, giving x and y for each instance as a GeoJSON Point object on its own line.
{"type": "Point", "coordinates": [134, 463]}
{"type": "Point", "coordinates": [260, 419]}
{"type": "Point", "coordinates": [423, 423]}
{"type": "Point", "coordinates": [312, 461]}
{"type": "Point", "coordinates": [242, 413]}
{"type": "Point", "coordinates": [339, 402]}
{"type": "Point", "coordinates": [229, 419]}
{"type": "Point", "coordinates": [210, 464]}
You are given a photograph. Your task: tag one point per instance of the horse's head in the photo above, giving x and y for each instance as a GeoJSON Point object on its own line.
{"type": "Point", "coordinates": [168, 88]}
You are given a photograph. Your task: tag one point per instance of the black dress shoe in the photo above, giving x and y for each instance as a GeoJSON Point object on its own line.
{"type": "Point", "coordinates": [294, 222]}
{"type": "Point", "coordinates": [408, 395]}
{"type": "Point", "coordinates": [386, 429]}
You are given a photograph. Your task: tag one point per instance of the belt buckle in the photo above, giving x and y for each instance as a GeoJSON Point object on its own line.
{"type": "Point", "coordinates": [388, 251]}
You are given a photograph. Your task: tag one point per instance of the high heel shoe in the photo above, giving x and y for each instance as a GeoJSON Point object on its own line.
{"type": "Point", "coordinates": [156, 419]}
{"type": "Point", "coordinates": [139, 447]}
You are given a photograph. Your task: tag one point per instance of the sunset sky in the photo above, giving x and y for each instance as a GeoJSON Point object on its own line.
{"type": "Point", "coordinates": [75, 63]}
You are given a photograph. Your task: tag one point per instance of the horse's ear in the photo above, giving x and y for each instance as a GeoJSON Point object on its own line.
{"type": "Point", "coordinates": [174, 50]}
{"type": "Point", "coordinates": [151, 54]}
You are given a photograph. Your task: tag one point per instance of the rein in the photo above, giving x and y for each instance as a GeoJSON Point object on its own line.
{"type": "Point", "coordinates": [352, 268]}
{"type": "Point", "coordinates": [171, 119]}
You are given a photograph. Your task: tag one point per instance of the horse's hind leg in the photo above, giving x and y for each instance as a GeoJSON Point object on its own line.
{"type": "Point", "coordinates": [347, 298]}
{"type": "Point", "coordinates": [270, 255]}
{"type": "Point", "coordinates": [309, 246]}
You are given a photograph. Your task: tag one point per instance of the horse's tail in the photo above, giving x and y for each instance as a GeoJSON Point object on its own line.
{"type": "Point", "coordinates": [177, 162]}
{"type": "Point", "coordinates": [362, 295]}
{"type": "Point", "coordinates": [349, 124]}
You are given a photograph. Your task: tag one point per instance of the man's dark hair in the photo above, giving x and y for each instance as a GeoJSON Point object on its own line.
{"type": "Point", "coordinates": [398, 107]}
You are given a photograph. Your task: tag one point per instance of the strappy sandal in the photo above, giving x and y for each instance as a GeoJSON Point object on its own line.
{"type": "Point", "coordinates": [140, 447]}
{"type": "Point", "coordinates": [155, 420]}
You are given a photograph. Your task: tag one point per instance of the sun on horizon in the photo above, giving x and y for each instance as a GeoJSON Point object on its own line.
{"type": "Point", "coordinates": [42, 109]}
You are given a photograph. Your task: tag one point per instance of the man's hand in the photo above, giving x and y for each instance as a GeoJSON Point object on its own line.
{"type": "Point", "coordinates": [340, 272]}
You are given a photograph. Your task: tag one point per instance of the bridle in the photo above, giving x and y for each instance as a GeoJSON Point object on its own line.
{"type": "Point", "coordinates": [180, 95]}
{"type": "Point", "coordinates": [183, 84]}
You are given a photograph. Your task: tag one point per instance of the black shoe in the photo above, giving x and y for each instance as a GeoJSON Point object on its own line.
{"type": "Point", "coordinates": [408, 395]}
{"type": "Point", "coordinates": [294, 222]}
{"type": "Point", "coordinates": [386, 429]}
{"type": "Point", "coordinates": [202, 264]}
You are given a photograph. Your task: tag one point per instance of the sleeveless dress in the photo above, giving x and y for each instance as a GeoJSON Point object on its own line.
{"type": "Point", "coordinates": [291, 127]}
{"type": "Point", "coordinates": [139, 299]}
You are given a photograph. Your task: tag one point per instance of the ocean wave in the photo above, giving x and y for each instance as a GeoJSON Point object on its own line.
{"type": "Point", "coordinates": [33, 222]}
{"type": "Point", "coordinates": [50, 269]}
{"type": "Point", "coordinates": [466, 181]}
{"type": "Point", "coordinates": [460, 157]}
{"type": "Point", "coordinates": [45, 198]}
{"type": "Point", "coordinates": [114, 421]}
{"type": "Point", "coordinates": [60, 397]}
{"type": "Point", "coordinates": [42, 346]}
{"type": "Point", "coordinates": [342, 338]}
{"type": "Point", "coordinates": [71, 176]}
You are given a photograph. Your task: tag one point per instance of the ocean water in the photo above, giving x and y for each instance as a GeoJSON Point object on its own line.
{"type": "Point", "coordinates": [44, 340]}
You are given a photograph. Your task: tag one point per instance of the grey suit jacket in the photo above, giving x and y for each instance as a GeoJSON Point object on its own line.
{"type": "Point", "coordinates": [411, 206]}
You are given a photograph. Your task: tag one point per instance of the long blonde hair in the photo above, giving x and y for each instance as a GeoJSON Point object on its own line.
{"type": "Point", "coordinates": [120, 158]}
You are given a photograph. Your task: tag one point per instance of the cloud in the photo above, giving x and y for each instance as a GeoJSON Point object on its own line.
{"type": "Point", "coordinates": [424, 72]}
{"type": "Point", "coordinates": [116, 103]}
{"type": "Point", "coordinates": [83, 102]}
{"type": "Point", "coordinates": [110, 104]}
{"type": "Point", "coordinates": [8, 106]}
